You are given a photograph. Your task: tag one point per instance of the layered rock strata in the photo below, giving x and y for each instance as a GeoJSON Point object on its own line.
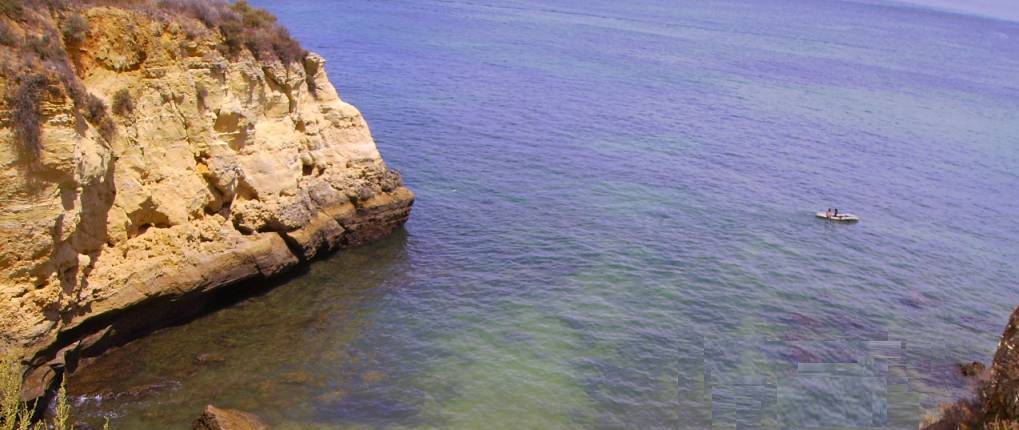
{"type": "Point", "coordinates": [224, 169]}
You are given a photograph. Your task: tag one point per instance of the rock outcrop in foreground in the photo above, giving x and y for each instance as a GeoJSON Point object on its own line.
{"type": "Point", "coordinates": [212, 166]}
{"type": "Point", "coordinates": [214, 418]}
{"type": "Point", "coordinates": [996, 403]}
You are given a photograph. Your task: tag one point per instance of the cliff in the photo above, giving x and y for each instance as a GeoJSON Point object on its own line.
{"type": "Point", "coordinates": [995, 405]}
{"type": "Point", "coordinates": [153, 152]}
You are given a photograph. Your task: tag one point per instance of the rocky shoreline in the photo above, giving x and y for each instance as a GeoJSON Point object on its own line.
{"type": "Point", "coordinates": [243, 270]}
{"type": "Point", "coordinates": [995, 404]}
{"type": "Point", "coordinates": [219, 164]}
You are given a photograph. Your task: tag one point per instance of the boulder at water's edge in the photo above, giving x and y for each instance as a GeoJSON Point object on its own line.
{"type": "Point", "coordinates": [227, 419]}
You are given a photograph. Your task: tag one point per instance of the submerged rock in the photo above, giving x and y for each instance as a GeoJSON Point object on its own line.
{"type": "Point", "coordinates": [298, 377]}
{"type": "Point", "coordinates": [209, 358]}
{"type": "Point", "coordinates": [227, 419]}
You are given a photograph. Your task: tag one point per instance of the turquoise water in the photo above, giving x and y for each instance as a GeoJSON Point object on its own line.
{"type": "Point", "coordinates": [615, 229]}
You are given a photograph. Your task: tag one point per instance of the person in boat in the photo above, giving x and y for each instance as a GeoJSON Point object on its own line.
{"type": "Point", "coordinates": [827, 214]}
{"type": "Point", "coordinates": [836, 212]}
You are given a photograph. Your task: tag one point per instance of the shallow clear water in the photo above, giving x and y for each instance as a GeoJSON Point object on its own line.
{"type": "Point", "coordinates": [615, 227]}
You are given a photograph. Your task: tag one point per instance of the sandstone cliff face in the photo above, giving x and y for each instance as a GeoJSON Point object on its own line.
{"type": "Point", "coordinates": [226, 169]}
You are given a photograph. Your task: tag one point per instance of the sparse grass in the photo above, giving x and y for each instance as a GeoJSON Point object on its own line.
{"type": "Point", "coordinates": [123, 104]}
{"type": "Point", "coordinates": [14, 414]}
{"type": "Point", "coordinates": [10, 392]}
{"type": "Point", "coordinates": [62, 413]}
{"type": "Point", "coordinates": [17, 415]}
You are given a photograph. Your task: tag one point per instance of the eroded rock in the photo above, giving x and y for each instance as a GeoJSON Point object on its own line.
{"type": "Point", "coordinates": [227, 419]}
{"type": "Point", "coordinates": [227, 169]}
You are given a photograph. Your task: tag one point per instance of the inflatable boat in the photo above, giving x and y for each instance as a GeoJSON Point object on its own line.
{"type": "Point", "coordinates": [839, 217]}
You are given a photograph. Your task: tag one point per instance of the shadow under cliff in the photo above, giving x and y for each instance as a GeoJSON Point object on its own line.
{"type": "Point", "coordinates": [98, 354]}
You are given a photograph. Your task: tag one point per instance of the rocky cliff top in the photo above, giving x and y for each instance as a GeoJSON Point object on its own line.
{"type": "Point", "coordinates": [152, 151]}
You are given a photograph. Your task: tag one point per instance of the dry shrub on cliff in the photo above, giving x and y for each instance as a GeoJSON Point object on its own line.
{"type": "Point", "coordinates": [201, 92]}
{"type": "Point", "coordinates": [208, 12]}
{"type": "Point", "coordinates": [95, 113]}
{"type": "Point", "coordinates": [90, 108]}
{"type": "Point", "coordinates": [7, 36]}
{"type": "Point", "coordinates": [75, 28]}
{"type": "Point", "coordinates": [260, 33]}
{"type": "Point", "coordinates": [242, 27]}
{"type": "Point", "coordinates": [43, 62]}
{"type": "Point", "coordinates": [123, 104]}
{"type": "Point", "coordinates": [45, 47]}
{"type": "Point", "coordinates": [95, 109]}
{"type": "Point", "coordinates": [27, 114]}
{"type": "Point", "coordinates": [19, 9]}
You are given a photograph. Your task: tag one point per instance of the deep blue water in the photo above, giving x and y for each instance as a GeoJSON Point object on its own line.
{"type": "Point", "coordinates": [614, 225]}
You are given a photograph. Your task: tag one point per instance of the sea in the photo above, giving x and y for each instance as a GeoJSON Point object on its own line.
{"type": "Point", "coordinates": [615, 225]}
